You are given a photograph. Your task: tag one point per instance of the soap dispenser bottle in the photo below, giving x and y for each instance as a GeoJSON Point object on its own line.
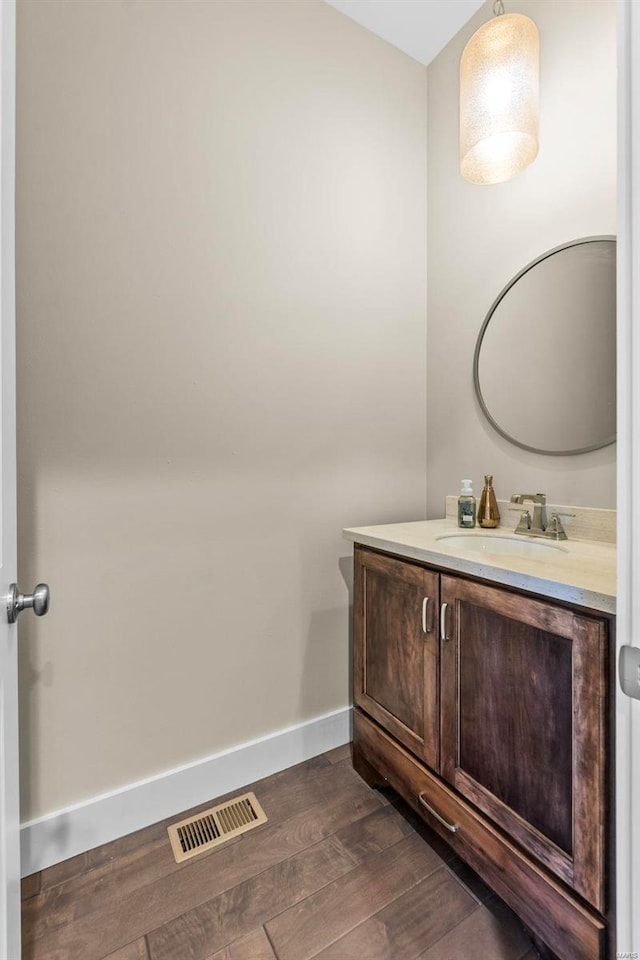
{"type": "Point", "coordinates": [466, 506]}
{"type": "Point", "coordinates": [488, 513]}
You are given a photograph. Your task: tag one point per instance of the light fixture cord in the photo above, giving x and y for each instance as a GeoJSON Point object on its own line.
{"type": "Point", "coordinates": [498, 8]}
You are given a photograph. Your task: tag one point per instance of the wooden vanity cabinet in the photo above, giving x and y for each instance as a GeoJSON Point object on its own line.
{"type": "Point", "coordinates": [511, 717]}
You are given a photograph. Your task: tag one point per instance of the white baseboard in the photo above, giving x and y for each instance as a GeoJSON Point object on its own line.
{"type": "Point", "coordinates": [81, 827]}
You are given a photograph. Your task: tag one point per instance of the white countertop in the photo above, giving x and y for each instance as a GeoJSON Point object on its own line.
{"type": "Point", "coordinates": [583, 572]}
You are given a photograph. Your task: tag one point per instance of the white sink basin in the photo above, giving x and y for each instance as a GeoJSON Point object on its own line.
{"type": "Point", "coordinates": [500, 546]}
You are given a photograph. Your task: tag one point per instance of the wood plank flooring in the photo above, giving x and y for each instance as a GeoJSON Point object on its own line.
{"type": "Point", "coordinates": [339, 872]}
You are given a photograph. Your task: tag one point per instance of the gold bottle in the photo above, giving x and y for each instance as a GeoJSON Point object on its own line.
{"type": "Point", "coordinates": [488, 513]}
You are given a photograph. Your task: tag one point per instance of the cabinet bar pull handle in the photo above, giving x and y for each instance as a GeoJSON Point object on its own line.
{"type": "Point", "coordinates": [425, 604]}
{"type": "Point", "coordinates": [443, 622]}
{"type": "Point", "coordinates": [451, 827]}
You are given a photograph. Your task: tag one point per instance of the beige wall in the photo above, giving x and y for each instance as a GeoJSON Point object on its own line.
{"type": "Point", "coordinates": [221, 363]}
{"type": "Point", "coordinates": [479, 237]}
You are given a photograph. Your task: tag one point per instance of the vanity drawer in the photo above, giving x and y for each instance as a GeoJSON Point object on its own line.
{"type": "Point", "coordinates": [573, 932]}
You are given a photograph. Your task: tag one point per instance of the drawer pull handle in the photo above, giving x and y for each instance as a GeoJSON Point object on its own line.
{"type": "Point", "coordinates": [443, 622]}
{"type": "Point", "coordinates": [451, 827]}
{"type": "Point", "coordinates": [425, 604]}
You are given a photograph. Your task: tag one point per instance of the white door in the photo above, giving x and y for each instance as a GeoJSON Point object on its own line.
{"type": "Point", "coordinates": [9, 807]}
{"type": "Point", "coordinates": [628, 618]}
{"type": "Point", "coordinates": [11, 601]}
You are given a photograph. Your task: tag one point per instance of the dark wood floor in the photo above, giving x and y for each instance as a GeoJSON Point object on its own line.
{"type": "Point", "coordinates": [340, 871]}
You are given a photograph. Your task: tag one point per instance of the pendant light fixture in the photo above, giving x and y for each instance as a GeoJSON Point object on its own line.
{"type": "Point", "coordinates": [499, 76]}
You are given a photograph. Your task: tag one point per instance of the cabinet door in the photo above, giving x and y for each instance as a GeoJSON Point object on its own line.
{"type": "Point", "coordinates": [396, 649]}
{"type": "Point", "coordinates": [523, 724]}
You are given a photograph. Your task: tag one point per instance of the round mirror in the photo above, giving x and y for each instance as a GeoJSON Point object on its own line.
{"type": "Point", "coordinates": [545, 362]}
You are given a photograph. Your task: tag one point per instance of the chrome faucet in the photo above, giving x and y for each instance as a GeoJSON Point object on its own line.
{"type": "Point", "coordinates": [537, 525]}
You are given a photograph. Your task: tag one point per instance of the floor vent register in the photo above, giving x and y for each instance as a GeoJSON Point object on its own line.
{"type": "Point", "coordinates": [215, 826]}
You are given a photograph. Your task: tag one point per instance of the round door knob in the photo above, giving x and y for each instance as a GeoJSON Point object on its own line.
{"type": "Point", "coordinates": [38, 601]}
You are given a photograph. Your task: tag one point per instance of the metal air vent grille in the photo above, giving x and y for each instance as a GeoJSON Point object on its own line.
{"type": "Point", "coordinates": [215, 826]}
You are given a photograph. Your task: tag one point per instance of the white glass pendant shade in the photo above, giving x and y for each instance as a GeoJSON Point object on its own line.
{"type": "Point", "coordinates": [499, 79]}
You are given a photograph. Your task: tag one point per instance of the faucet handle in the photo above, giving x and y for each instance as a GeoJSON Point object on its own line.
{"type": "Point", "coordinates": [524, 524]}
{"type": "Point", "coordinates": [556, 523]}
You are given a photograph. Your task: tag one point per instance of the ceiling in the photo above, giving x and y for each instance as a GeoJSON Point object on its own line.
{"type": "Point", "coordinates": [420, 28]}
